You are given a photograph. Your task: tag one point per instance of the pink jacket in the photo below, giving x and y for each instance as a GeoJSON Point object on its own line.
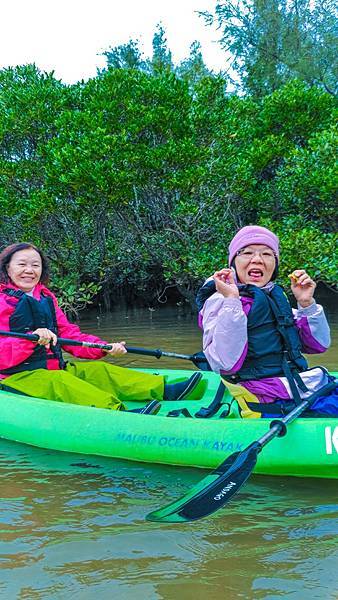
{"type": "Point", "coordinates": [14, 350]}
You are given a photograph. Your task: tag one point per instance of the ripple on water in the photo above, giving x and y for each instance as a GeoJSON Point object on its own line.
{"type": "Point", "coordinates": [74, 526]}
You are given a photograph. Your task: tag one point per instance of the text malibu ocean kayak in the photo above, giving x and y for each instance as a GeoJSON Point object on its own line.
{"type": "Point", "coordinates": [310, 448]}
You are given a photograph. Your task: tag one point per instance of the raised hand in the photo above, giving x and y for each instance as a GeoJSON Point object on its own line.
{"type": "Point", "coordinates": [225, 283]}
{"type": "Point", "coordinates": [302, 287]}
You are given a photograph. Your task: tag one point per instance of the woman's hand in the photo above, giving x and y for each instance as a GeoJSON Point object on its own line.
{"type": "Point", "coordinates": [46, 337]}
{"type": "Point", "coordinates": [302, 287]}
{"type": "Point", "coordinates": [225, 283]}
{"type": "Point", "coordinates": [117, 348]}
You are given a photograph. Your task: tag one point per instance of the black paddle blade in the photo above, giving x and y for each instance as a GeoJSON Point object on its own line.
{"type": "Point", "coordinates": [215, 490]}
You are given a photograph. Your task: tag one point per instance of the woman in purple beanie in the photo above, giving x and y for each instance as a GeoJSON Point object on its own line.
{"type": "Point", "coordinates": [254, 338]}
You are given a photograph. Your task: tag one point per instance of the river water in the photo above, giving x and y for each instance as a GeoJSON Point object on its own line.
{"type": "Point", "coordinates": [74, 526]}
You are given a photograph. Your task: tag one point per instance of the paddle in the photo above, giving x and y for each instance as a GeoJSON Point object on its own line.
{"type": "Point", "coordinates": [218, 487]}
{"type": "Point", "coordinates": [198, 358]}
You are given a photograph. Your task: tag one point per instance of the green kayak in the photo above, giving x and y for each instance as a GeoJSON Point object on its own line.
{"type": "Point", "coordinates": [310, 448]}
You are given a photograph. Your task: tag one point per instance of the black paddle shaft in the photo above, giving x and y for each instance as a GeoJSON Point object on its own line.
{"type": "Point", "coordinates": [157, 353]}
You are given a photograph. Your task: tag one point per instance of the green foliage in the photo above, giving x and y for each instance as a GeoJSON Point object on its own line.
{"type": "Point", "coordinates": [30, 103]}
{"type": "Point", "coordinates": [307, 182]}
{"type": "Point", "coordinates": [270, 42]}
{"type": "Point", "coordinates": [136, 180]}
{"type": "Point", "coordinates": [306, 246]}
{"type": "Point", "coordinates": [72, 297]}
{"type": "Point", "coordinates": [125, 56]}
{"type": "Point", "coordinates": [193, 69]}
{"type": "Point", "coordinates": [161, 59]}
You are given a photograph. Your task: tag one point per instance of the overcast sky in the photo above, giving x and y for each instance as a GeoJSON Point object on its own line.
{"type": "Point", "coordinates": [66, 36]}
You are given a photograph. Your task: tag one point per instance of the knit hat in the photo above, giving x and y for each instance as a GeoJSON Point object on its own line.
{"type": "Point", "coordinates": [253, 234]}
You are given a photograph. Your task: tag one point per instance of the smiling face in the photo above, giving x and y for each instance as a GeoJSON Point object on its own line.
{"type": "Point", "coordinates": [255, 264]}
{"type": "Point", "coordinates": [25, 268]}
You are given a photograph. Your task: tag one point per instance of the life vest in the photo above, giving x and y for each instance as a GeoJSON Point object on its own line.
{"type": "Point", "coordinates": [273, 338]}
{"type": "Point", "coordinates": [274, 350]}
{"type": "Point", "coordinates": [274, 345]}
{"type": "Point", "coordinates": [28, 315]}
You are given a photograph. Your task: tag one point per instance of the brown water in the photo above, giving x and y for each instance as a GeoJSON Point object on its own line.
{"type": "Point", "coordinates": [73, 526]}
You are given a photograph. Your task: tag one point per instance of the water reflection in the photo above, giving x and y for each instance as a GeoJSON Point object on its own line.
{"type": "Point", "coordinates": [73, 525]}
{"type": "Point", "coordinates": [76, 525]}
{"type": "Point", "coordinates": [175, 329]}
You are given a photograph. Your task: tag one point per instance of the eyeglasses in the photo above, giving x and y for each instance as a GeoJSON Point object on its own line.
{"type": "Point", "coordinates": [247, 255]}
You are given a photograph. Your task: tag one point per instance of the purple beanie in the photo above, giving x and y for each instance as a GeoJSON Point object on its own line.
{"type": "Point", "coordinates": [253, 234]}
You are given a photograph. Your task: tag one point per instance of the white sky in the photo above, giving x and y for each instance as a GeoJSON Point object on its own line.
{"type": "Point", "coordinates": [66, 36]}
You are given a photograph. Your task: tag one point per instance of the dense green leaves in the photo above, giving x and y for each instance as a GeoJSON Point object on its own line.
{"type": "Point", "coordinates": [270, 42]}
{"type": "Point", "coordinates": [136, 180]}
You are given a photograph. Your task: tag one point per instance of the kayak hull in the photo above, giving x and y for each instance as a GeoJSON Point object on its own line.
{"type": "Point", "coordinates": [310, 448]}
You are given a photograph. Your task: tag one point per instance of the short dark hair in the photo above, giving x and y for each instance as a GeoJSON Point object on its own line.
{"type": "Point", "coordinates": [9, 251]}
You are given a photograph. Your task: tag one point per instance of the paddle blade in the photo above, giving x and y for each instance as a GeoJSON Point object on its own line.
{"type": "Point", "coordinates": [215, 490]}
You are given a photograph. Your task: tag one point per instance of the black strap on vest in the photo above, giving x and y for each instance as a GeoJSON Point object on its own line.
{"type": "Point", "coordinates": [15, 293]}
{"type": "Point", "coordinates": [289, 368]}
{"type": "Point", "coordinates": [293, 378]}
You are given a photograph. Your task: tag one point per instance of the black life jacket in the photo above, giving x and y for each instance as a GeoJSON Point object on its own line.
{"type": "Point", "coordinates": [30, 314]}
{"type": "Point", "coordinates": [274, 345]}
{"type": "Point", "coordinates": [273, 337]}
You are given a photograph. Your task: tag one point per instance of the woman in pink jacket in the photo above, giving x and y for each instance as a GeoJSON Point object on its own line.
{"type": "Point", "coordinates": [251, 334]}
{"type": "Point", "coordinates": [38, 368]}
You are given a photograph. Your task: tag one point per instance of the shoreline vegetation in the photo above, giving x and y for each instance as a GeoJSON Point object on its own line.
{"type": "Point", "coordinates": [134, 181]}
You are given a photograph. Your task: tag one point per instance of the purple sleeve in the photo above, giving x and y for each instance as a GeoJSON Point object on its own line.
{"type": "Point", "coordinates": [225, 338]}
{"type": "Point", "coordinates": [313, 328]}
